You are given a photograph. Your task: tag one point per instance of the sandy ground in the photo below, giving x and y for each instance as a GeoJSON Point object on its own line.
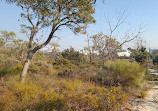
{"type": "Point", "coordinates": [150, 103]}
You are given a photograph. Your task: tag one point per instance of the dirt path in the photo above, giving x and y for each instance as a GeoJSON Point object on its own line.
{"type": "Point", "coordinates": [150, 103]}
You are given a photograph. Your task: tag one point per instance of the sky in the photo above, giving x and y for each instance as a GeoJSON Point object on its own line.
{"type": "Point", "coordinates": [144, 12]}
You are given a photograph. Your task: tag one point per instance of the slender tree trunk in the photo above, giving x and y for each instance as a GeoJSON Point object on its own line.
{"type": "Point", "coordinates": [31, 52]}
{"type": "Point", "coordinates": [26, 66]}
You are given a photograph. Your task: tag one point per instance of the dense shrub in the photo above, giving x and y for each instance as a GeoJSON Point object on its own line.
{"type": "Point", "coordinates": [128, 75]}
{"type": "Point", "coordinates": [11, 71]}
{"type": "Point", "coordinates": [9, 65]}
{"type": "Point", "coordinates": [65, 67]}
{"type": "Point", "coordinates": [41, 67]}
{"type": "Point", "coordinates": [61, 95]}
{"type": "Point", "coordinates": [87, 72]}
{"type": "Point", "coordinates": [75, 56]}
{"type": "Point", "coordinates": [7, 62]}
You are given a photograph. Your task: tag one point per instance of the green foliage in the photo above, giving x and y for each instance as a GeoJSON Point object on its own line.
{"type": "Point", "coordinates": [155, 60]}
{"type": "Point", "coordinates": [140, 55]}
{"type": "Point", "coordinates": [65, 67]}
{"type": "Point", "coordinates": [7, 36]}
{"type": "Point", "coordinates": [11, 71]}
{"type": "Point", "coordinates": [74, 14]}
{"type": "Point", "coordinates": [73, 55]}
{"type": "Point", "coordinates": [13, 51]}
{"type": "Point", "coordinates": [41, 67]}
{"type": "Point", "coordinates": [128, 75]}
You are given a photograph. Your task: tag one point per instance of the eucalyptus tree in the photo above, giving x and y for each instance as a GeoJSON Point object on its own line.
{"type": "Point", "coordinates": [101, 44]}
{"type": "Point", "coordinates": [53, 14]}
{"type": "Point", "coordinates": [6, 37]}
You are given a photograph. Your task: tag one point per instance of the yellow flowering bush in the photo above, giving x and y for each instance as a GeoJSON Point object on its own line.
{"type": "Point", "coordinates": [61, 95]}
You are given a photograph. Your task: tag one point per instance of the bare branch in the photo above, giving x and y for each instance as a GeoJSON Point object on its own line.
{"type": "Point", "coordinates": [128, 36]}
{"type": "Point", "coordinates": [128, 40]}
{"type": "Point", "coordinates": [120, 20]}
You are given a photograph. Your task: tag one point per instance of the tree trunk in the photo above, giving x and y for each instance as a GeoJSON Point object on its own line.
{"type": "Point", "coordinates": [31, 52]}
{"type": "Point", "coordinates": [26, 66]}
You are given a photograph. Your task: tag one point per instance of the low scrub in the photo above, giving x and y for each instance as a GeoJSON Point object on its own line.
{"type": "Point", "coordinates": [61, 95]}
{"type": "Point", "coordinates": [128, 75]}
{"type": "Point", "coordinates": [87, 72]}
{"type": "Point", "coordinates": [7, 62]}
{"type": "Point", "coordinates": [65, 67]}
{"type": "Point", "coordinates": [143, 95]}
{"type": "Point", "coordinates": [11, 71]}
{"type": "Point", "coordinates": [41, 67]}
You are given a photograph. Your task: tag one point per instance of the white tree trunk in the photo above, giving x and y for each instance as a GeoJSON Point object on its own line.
{"type": "Point", "coordinates": [24, 70]}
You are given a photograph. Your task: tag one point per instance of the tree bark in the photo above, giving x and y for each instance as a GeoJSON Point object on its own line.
{"type": "Point", "coordinates": [31, 52]}
{"type": "Point", "coordinates": [26, 66]}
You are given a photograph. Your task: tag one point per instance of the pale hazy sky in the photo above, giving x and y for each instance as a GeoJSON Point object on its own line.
{"type": "Point", "coordinates": [138, 12]}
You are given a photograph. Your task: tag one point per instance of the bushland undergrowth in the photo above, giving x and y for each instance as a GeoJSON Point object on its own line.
{"type": "Point", "coordinates": [63, 84]}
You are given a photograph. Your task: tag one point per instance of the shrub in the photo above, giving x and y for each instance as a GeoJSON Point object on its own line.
{"type": "Point", "coordinates": [7, 99]}
{"type": "Point", "coordinates": [75, 56]}
{"type": "Point", "coordinates": [86, 96]}
{"type": "Point", "coordinates": [11, 71]}
{"type": "Point", "coordinates": [41, 67]}
{"type": "Point", "coordinates": [143, 95]}
{"type": "Point", "coordinates": [62, 95]}
{"type": "Point", "coordinates": [128, 75]}
{"type": "Point", "coordinates": [29, 96]}
{"type": "Point", "coordinates": [7, 62]}
{"type": "Point", "coordinates": [109, 99]}
{"type": "Point", "coordinates": [65, 67]}
{"type": "Point", "coordinates": [87, 72]}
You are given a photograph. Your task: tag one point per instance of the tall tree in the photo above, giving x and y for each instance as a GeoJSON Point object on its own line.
{"type": "Point", "coordinates": [53, 14]}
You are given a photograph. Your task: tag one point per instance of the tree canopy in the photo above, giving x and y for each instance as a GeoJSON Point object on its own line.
{"type": "Point", "coordinates": [75, 14]}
